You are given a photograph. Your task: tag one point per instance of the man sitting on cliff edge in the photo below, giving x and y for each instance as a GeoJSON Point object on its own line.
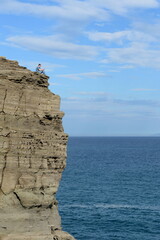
{"type": "Point", "coordinates": [39, 69]}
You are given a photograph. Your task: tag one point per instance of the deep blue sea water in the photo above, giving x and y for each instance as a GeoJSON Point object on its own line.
{"type": "Point", "coordinates": [110, 189]}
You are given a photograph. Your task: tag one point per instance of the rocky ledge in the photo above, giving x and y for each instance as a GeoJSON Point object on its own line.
{"type": "Point", "coordinates": [32, 155]}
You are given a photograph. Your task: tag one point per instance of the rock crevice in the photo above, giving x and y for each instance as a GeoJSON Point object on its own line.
{"type": "Point", "coordinates": [32, 155]}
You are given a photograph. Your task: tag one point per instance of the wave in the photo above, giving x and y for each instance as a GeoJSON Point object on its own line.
{"type": "Point", "coordinates": [112, 206]}
{"type": "Point", "coordinates": [124, 206]}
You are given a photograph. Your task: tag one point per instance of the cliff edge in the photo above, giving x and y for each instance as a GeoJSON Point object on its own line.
{"type": "Point", "coordinates": [32, 155]}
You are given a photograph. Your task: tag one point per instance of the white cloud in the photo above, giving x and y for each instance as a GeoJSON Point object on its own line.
{"type": "Point", "coordinates": [54, 84]}
{"type": "Point", "coordinates": [74, 9]}
{"type": "Point", "coordinates": [68, 9]}
{"type": "Point", "coordinates": [138, 46]}
{"type": "Point", "coordinates": [126, 67]}
{"type": "Point", "coordinates": [103, 105]}
{"type": "Point", "coordinates": [93, 93]}
{"type": "Point", "coordinates": [137, 54]}
{"type": "Point", "coordinates": [148, 28]}
{"type": "Point", "coordinates": [121, 7]}
{"type": "Point", "coordinates": [121, 36]}
{"type": "Point", "coordinates": [54, 46]}
{"type": "Point", "coordinates": [79, 76]}
{"type": "Point", "coordinates": [145, 90]}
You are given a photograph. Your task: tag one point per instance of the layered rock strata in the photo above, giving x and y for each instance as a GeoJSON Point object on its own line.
{"type": "Point", "coordinates": [32, 155]}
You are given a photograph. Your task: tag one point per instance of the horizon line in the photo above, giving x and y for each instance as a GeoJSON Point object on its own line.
{"type": "Point", "coordinates": [118, 136]}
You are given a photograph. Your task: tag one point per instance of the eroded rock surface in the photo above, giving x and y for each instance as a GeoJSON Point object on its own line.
{"type": "Point", "coordinates": [32, 155]}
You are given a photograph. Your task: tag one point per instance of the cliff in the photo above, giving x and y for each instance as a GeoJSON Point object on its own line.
{"type": "Point", "coordinates": [32, 155]}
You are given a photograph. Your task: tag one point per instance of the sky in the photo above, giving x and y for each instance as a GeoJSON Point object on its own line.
{"type": "Point", "coordinates": [102, 57]}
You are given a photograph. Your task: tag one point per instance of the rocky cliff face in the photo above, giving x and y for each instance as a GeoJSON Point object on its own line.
{"type": "Point", "coordinates": [32, 155]}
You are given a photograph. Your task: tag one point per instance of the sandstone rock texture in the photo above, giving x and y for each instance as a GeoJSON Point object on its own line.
{"type": "Point", "coordinates": [32, 155]}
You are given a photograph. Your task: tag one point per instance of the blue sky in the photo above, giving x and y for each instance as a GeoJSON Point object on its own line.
{"type": "Point", "coordinates": [102, 56]}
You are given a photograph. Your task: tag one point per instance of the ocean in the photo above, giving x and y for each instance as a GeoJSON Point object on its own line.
{"type": "Point", "coordinates": [110, 189]}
